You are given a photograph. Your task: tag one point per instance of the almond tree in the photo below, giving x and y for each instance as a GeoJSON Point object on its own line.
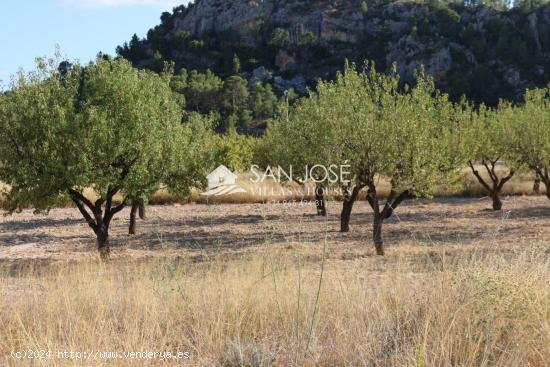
{"type": "Point", "coordinates": [413, 138]}
{"type": "Point", "coordinates": [488, 150]}
{"type": "Point", "coordinates": [193, 149]}
{"type": "Point", "coordinates": [301, 138]}
{"type": "Point", "coordinates": [191, 152]}
{"type": "Point", "coordinates": [106, 127]}
{"type": "Point", "coordinates": [527, 133]}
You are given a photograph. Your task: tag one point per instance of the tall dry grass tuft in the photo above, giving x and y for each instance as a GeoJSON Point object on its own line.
{"type": "Point", "coordinates": [274, 309]}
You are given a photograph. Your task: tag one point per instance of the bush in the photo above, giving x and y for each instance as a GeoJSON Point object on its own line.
{"type": "Point", "coordinates": [234, 150]}
{"type": "Point", "coordinates": [307, 38]}
{"type": "Point", "coordinates": [279, 38]}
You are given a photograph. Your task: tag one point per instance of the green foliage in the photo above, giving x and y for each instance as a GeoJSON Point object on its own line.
{"type": "Point", "coordinates": [307, 38]}
{"type": "Point", "coordinates": [420, 26]}
{"type": "Point", "coordinates": [363, 119]}
{"type": "Point", "coordinates": [529, 5]}
{"type": "Point", "coordinates": [194, 151]}
{"type": "Point", "coordinates": [234, 150]}
{"type": "Point", "coordinates": [512, 46]}
{"type": "Point", "coordinates": [236, 64]}
{"type": "Point", "coordinates": [414, 138]}
{"type": "Point", "coordinates": [503, 34]}
{"type": "Point", "coordinates": [262, 102]}
{"type": "Point", "coordinates": [245, 121]}
{"type": "Point", "coordinates": [449, 21]}
{"type": "Point", "coordinates": [181, 36]}
{"type": "Point", "coordinates": [133, 50]}
{"type": "Point", "coordinates": [279, 38]}
{"type": "Point", "coordinates": [488, 145]}
{"type": "Point", "coordinates": [158, 62]}
{"type": "Point", "coordinates": [40, 133]}
{"type": "Point", "coordinates": [364, 7]}
{"type": "Point", "coordinates": [106, 127]}
{"type": "Point", "coordinates": [526, 131]}
{"type": "Point", "coordinates": [301, 136]}
{"type": "Point", "coordinates": [408, 137]}
{"type": "Point", "coordinates": [234, 93]}
{"type": "Point", "coordinates": [179, 82]}
{"type": "Point", "coordinates": [236, 105]}
{"type": "Point", "coordinates": [196, 44]}
{"type": "Point", "coordinates": [203, 91]}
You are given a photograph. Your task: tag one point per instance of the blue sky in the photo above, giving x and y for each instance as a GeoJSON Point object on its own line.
{"type": "Point", "coordinates": [81, 28]}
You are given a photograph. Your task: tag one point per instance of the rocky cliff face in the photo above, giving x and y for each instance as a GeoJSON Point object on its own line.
{"type": "Point", "coordinates": [480, 52]}
{"type": "Point", "coordinates": [327, 20]}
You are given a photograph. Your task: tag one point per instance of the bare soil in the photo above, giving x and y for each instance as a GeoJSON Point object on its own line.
{"type": "Point", "coordinates": [420, 228]}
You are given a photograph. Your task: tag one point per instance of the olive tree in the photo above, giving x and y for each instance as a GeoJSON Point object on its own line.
{"type": "Point", "coordinates": [106, 127]}
{"type": "Point", "coordinates": [488, 150]}
{"type": "Point", "coordinates": [527, 133]}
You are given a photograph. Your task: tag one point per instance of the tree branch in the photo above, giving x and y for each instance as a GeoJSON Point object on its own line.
{"type": "Point", "coordinates": [78, 196]}
{"type": "Point", "coordinates": [479, 178]}
{"type": "Point", "coordinates": [372, 198]}
{"type": "Point", "coordinates": [491, 172]}
{"type": "Point", "coordinates": [392, 205]}
{"type": "Point", "coordinates": [79, 204]}
{"type": "Point", "coordinates": [505, 179]}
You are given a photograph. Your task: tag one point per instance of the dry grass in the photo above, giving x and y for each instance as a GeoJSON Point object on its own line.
{"type": "Point", "coordinates": [274, 285]}
{"type": "Point", "coordinates": [278, 308]}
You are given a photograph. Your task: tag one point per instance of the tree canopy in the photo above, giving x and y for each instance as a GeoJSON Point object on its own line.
{"type": "Point", "coordinates": [488, 149]}
{"type": "Point", "coordinates": [410, 137]}
{"type": "Point", "coordinates": [527, 133]}
{"type": "Point", "coordinates": [107, 127]}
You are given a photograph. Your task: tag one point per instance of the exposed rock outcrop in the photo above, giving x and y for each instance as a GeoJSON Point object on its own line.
{"type": "Point", "coordinates": [479, 51]}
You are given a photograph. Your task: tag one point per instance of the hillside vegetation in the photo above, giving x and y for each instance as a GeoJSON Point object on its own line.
{"type": "Point", "coordinates": [483, 50]}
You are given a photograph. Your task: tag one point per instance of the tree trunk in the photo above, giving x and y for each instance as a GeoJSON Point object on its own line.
{"type": "Point", "coordinates": [133, 212]}
{"type": "Point", "coordinates": [544, 176]}
{"type": "Point", "coordinates": [347, 206]}
{"type": "Point", "coordinates": [547, 185]}
{"type": "Point", "coordinates": [103, 243]}
{"type": "Point", "coordinates": [377, 234]}
{"type": "Point", "coordinates": [497, 203]}
{"type": "Point", "coordinates": [142, 213]}
{"type": "Point", "coordinates": [536, 185]}
{"type": "Point", "coordinates": [97, 218]}
{"type": "Point", "coordinates": [320, 201]}
{"type": "Point", "coordinates": [497, 183]}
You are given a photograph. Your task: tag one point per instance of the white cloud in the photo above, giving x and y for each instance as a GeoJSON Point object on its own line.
{"type": "Point", "coordinates": [115, 3]}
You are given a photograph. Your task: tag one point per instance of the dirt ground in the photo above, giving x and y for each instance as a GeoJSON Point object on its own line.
{"type": "Point", "coordinates": [197, 231]}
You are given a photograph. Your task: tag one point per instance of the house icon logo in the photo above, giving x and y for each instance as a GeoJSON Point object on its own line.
{"type": "Point", "coordinates": [221, 181]}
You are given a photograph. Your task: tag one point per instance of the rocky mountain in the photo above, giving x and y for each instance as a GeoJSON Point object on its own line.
{"type": "Point", "coordinates": [478, 51]}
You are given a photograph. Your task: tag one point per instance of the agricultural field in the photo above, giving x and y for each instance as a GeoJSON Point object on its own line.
{"type": "Point", "coordinates": [156, 215]}
{"type": "Point", "coordinates": [199, 230]}
{"type": "Point", "coordinates": [274, 284]}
